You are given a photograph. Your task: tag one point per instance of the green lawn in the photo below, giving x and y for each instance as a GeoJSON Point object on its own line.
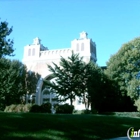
{"type": "Point", "coordinates": [29, 126]}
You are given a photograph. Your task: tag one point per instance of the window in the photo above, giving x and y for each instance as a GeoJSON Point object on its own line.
{"type": "Point", "coordinates": [77, 47]}
{"type": "Point", "coordinates": [33, 51]}
{"type": "Point", "coordinates": [82, 47]}
{"type": "Point", "coordinates": [29, 52]}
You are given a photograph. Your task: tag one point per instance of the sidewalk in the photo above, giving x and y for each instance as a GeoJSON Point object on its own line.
{"type": "Point", "coordinates": [125, 138]}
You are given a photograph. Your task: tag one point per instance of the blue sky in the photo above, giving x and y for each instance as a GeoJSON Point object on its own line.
{"type": "Point", "coordinates": [110, 23]}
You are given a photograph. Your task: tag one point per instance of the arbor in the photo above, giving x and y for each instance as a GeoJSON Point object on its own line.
{"type": "Point", "coordinates": [69, 78]}
{"type": "Point", "coordinates": [6, 45]}
{"type": "Point", "coordinates": [12, 82]}
{"type": "Point", "coordinates": [124, 66]}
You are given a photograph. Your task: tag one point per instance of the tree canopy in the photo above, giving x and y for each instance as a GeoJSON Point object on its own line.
{"type": "Point", "coordinates": [102, 92]}
{"type": "Point", "coordinates": [6, 44]}
{"type": "Point", "coordinates": [12, 81]}
{"type": "Point", "coordinates": [31, 81]}
{"type": "Point", "coordinates": [87, 81]}
{"type": "Point", "coordinates": [69, 77]}
{"type": "Point", "coordinates": [124, 68]}
{"type": "Point", "coordinates": [15, 82]}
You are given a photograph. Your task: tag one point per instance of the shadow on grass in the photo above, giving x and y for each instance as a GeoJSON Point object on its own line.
{"type": "Point", "coordinates": [107, 113]}
{"type": "Point", "coordinates": [63, 127]}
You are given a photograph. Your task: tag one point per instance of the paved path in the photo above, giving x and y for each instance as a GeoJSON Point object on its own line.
{"type": "Point", "coordinates": [125, 138]}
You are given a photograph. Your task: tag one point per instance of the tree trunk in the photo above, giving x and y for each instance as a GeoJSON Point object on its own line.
{"type": "Point", "coordinates": [71, 99]}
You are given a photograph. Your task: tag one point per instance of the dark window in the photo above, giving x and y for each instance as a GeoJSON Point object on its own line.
{"type": "Point", "coordinates": [82, 47]}
{"type": "Point", "coordinates": [33, 51]}
{"type": "Point", "coordinates": [77, 47]}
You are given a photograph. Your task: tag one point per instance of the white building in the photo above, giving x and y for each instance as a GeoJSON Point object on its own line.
{"type": "Point", "coordinates": [36, 57]}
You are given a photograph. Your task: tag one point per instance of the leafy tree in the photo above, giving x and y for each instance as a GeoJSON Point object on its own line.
{"type": "Point", "coordinates": [69, 78]}
{"type": "Point", "coordinates": [124, 66]}
{"type": "Point", "coordinates": [101, 90]}
{"type": "Point", "coordinates": [6, 45]}
{"type": "Point", "coordinates": [31, 81]}
{"type": "Point", "coordinates": [12, 81]}
{"type": "Point", "coordinates": [75, 78]}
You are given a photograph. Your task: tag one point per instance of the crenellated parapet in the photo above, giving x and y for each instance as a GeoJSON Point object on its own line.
{"type": "Point", "coordinates": [55, 53]}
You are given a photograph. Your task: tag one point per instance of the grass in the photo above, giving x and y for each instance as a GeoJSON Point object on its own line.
{"type": "Point", "coordinates": [31, 126]}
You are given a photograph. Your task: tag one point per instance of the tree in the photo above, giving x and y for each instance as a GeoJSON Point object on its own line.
{"type": "Point", "coordinates": [6, 45]}
{"type": "Point", "coordinates": [124, 66]}
{"type": "Point", "coordinates": [102, 93]}
{"type": "Point", "coordinates": [69, 78]}
{"type": "Point", "coordinates": [87, 81]}
{"type": "Point", "coordinates": [31, 81]}
{"type": "Point", "coordinates": [12, 81]}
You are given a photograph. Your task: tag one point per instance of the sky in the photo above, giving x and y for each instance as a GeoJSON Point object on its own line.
{"type": "Point", "coordinates": [110, 23]}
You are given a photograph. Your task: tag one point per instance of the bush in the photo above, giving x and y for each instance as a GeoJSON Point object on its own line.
{"type": "Point", "coordinates": [86, 111]}
{"type": "Point", "coordinates": [64, 109]}
{"type": "Point", "coordinates": [27, 107]}
{"type": "Point", "coordinates": [35, 109]}
{"type": "Point", "coordinates": [18, 108]}
{"type": "Point", "coordinates": [137, 104]}
{"type": "Point", "coordinates": [7, 109]}
{"type": "Point", "coordinates": [12, 108]}
{"type": "Point", "coordinates": [46, 108]}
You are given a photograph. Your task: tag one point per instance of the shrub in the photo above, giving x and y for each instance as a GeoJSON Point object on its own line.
{"type": "Point", "coordinates": [64, 109]}
{"type": "Point", "coordinates": [6, 109]}
{"type": "Point", "coordinates": [46, 108]}
{"type": "Point", "coordinates": [18, 108]}
{"type": "Point", "coordinates": [86, 111]}
{"type": "Point", "coordinates": [27, 107]}
{"type": "Point", "coordinates": [35, 109]}
{"type": "Point", "coordinates": [12, 108]}
{"type": "Point", "coordinates": [137, 104]}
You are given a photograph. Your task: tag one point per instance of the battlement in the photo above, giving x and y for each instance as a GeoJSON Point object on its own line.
{"type": "Point", "coordinates": [55, 53]}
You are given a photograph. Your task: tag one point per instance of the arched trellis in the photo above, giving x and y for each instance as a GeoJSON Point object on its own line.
{"type": "Point", "coordinates": [40, 91]}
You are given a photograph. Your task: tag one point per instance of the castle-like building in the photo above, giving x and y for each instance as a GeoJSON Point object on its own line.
{"type": "Point", "coordinates": [37, 57]}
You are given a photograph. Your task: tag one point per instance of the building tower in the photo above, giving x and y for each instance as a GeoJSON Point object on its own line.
{"type": "Point", "coordinates": [85, 47]}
